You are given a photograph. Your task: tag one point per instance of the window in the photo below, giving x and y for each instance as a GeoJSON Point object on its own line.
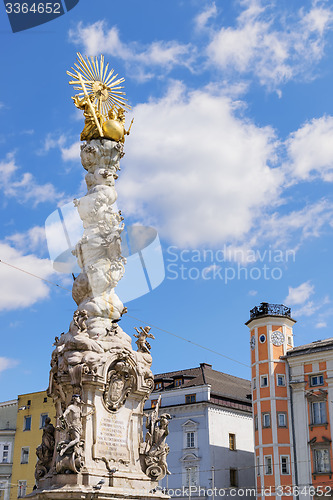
{"type": "Point", "coordinates": [316, 380]}
{"type": "Point", "coordinates": [22, 489]}
{"type": "Point", "coordinates": [24, 455]}
{"type": "Point", "coordinates": [178, 382]}
{"type": "Point", "coordinates": [42, 420]}
{"type": "Point", "coordinates": [255, 422]}
{"type": "Point", "coordinates": [5, 453]}
{"type": "Point", "coordinates": [258, 466]}
{"type": "Point", "coordinates": [29, 402]}
{"type": "Point", "coordinates": [290, 340]}
{"type": "Point", "coordinates": [153, 403]}
{"type": "Point", "coordinates": [191, 476]}
{"type": "Point", "coordinates": [27, 423]}
{"type": "Point", "coordinates": [321, 458]}
{"type": "Point", "coordinates": [233, 477]}
{"type": "Point", "coordinates": [158, 385]}
{"type": "Point", "coordinates": [45, 400]}
{"type": "Point", "coordinates": [266, 420]}
{"type": "Point", "coordinates": [285, 464]}
{"type": "Point", "coordinates": [232, 442]}
{"type": "Point", "coordinates": [318, 411]}
{"type": "Point", "coordinates": [264, 381]}
{"type": "Point", "coordinates": [190, 440]}
{"type": "Point", "coordinates": [268, 465]}
{"type": "Point", "coordinates": [281, 380]}
{"type": "Point", "coordinates": [190, 398]}
{"type": "Point", "coordinates": [254, 384]}
{"type": "Point", "coordinates": [282, 419]}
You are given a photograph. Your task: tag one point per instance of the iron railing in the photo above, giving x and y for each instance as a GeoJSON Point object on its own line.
{"type": "Point", "coordinates": [266, 309]}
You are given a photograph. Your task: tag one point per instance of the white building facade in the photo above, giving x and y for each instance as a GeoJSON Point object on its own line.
{"type": "Point", "coordinates": [210, 432]}
{"type": "Point", "coordinates": [8, 414]}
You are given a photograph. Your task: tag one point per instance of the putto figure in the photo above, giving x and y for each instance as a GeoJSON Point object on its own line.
{"type": "Point", "coordinates": [142, 342]}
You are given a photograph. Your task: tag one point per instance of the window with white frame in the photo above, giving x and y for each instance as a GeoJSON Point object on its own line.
{"type": "Point", "coordinates": [268, 465]}
{"type": "Point", "coordinates": [190, 440]}
{"type": "Point", "coordinates": [22, 489]}
{"type": "Point", "coordinates": [321, 460]}
{"type": "Point", "coordinates": [5, 453]}
{"type": "Point", "coordinates": [191, 475]}
{"type": "Point", "coordinates": [3, 487]}
{"type": "Point", "coordinates": [255, 422]}
{"type": "Point", "coordinates": [281, 380]}
{"type": "Point", "coordinates": [316, 380]}
{"type": "Point", "coordinates": [266, 420]}
{"type": "Point", "coordinates": [263, 380]}
{"type": "Point", "coordinates": [24, 455]}
{"type": "Point", "coordinates": [285, 467]}
{"type": "Point", "coordinates": [254, 383]}
{"type": "Point", "coordinates": [258, 466]}
{"type": "Point", "coordinates": [190, 434]}
{"type": "Point", "coordinates": [318, 412]}
{"type": "Point", "coordinates": [282, 419]}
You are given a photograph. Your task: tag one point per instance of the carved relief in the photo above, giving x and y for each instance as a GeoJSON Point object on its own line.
{"type": "Point", "coordinates": [120, 382]}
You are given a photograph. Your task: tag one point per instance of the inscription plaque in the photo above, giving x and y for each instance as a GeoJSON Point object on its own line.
{"type": "Point", "coordinates": [112, 438]}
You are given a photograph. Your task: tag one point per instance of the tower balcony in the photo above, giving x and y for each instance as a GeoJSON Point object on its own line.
{"type": "Point", "coordinates": [266, 309]}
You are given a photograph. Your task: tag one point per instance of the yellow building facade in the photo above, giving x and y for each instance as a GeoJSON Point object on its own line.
{"type": "Point", "coordinates": [33, 408]}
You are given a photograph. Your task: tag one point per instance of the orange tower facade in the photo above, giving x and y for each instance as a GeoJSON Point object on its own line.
{"type": "Point", "coordinates": [271, 336]}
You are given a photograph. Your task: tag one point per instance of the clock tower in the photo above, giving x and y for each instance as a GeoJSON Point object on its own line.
{"type": "Point", "coordinates": [271, 336]}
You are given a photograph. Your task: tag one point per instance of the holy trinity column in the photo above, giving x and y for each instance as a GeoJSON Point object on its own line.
{"type": "Point", "coordinates": [99, 384]}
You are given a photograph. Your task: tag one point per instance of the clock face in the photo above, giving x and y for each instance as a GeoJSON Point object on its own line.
{"type": "Point", "coordinates": [277, 338]}
{"type": "Point", "coordinates": [253, 342]}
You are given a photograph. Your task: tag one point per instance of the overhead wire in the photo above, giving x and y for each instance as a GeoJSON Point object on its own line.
{"type": "Point", "coordinates": [133, 317]}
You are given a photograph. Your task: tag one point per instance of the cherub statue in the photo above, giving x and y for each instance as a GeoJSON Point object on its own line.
{"type": "Point", "coordinates": [142, 343]}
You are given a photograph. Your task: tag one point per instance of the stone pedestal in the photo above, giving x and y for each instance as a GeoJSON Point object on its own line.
{"type": "Point", "coordinates": [99, 384]}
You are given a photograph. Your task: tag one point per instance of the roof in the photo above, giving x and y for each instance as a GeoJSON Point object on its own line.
{"type": "Point", "coordinates": [316, 346]}
{"type": "Point", "coordinates": [222, 384]}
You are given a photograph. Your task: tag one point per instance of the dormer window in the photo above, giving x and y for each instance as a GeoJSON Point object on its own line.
{"type": "Point", "coordinates": [178, 382]}
{"type": "Point", "coordinates": [158, 385]}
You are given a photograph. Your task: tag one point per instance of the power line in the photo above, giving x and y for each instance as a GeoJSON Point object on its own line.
{"type": "Point", "coordinates": [133, 317]}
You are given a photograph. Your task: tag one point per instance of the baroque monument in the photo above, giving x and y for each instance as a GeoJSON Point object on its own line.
{"type": "Point", "coordinates": [98, 382]}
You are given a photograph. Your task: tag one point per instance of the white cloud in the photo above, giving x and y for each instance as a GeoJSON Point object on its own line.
{"type": "Point", "coordinates": [202, 19]}
{"type": "Point", "coordinates": [273, 46]}
{"type": "Point", "coordinates": [253, 293]}
{"type": "Point", "coordinates": [291, 229]}
{"type": "Point", "coordinates": [52, 141]}
{"type": "Point", "coordinates": [310, 150]}
{"type": "Point", "coordinates": [97, 38]}
{"type": "Point", "coordinates": [321, 324]}
{"type": "Point", "coordinates": [213, 269]}
{"type": "Point", "coordinates": [31, 240]}
{"type": "Point", "coordinates": [198, 171]}
{"type": "Point", "coordinates": [299, 294]}
{"type": "Point", "coordinates": [6, 363]}
{"type": "Point", "coordinates": [24, 187]}
{"type": "Point", "coordinates": [22, 290]}
{"type": "Point", "coordinates": [72, 153]}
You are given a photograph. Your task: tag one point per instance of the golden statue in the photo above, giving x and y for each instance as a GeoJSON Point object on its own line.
{"type": "Point", "coordinates": [100, 98]}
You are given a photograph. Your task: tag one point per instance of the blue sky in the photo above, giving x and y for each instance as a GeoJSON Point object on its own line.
{"type": "Point", "coordinates": [230, 158]}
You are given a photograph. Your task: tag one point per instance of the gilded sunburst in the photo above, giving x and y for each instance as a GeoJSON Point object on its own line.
{"type": "Point", "coordinates": [93, 77]}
